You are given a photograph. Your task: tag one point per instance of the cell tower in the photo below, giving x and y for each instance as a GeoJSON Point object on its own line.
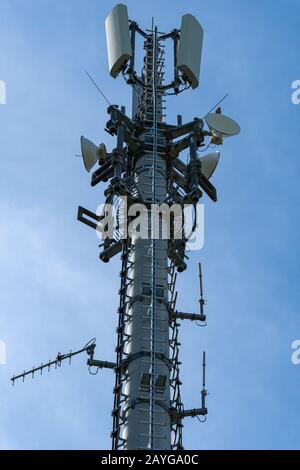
{"type": "Point", "coordinates": [145, 176]}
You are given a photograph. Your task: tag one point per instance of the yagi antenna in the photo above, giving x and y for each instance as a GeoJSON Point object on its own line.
{"type": "Point", "coordinates": [89, 348]}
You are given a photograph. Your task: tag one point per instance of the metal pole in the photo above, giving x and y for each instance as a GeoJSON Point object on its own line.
{"type": "Point", "coordinates": [147, 386]}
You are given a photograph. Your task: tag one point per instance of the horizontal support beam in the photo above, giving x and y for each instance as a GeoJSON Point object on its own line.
{"type": "Point", "coordinates": [104, 173]}
{"type": "Point", "coordinates": [179, 131]}
{"type": "Point", "coordinates": [101, 364]}
{"type": "Point", "coordinates": [189, 316]}
{"type": "Point", "coordinates": [82, 212]}
{"type": "Point", "coordinates": [192, 413]}
{"type": "Point", "coordinates": [178, 415]}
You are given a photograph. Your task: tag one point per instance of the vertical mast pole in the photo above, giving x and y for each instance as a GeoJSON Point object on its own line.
{"type": "Point", "coordinates": [153, 240]}
{"type": "Point", "coordinates": [146, 419]}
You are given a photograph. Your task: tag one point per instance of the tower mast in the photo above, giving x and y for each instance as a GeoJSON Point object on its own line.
{"type": "Point", "coordinates": [147, 389]}
{"type": "Point", "coordinates": [150, 192]}
{"type": "Point", "coordinates": [142, 404]}
{"type": "Point", "coordinates": [145, 169]}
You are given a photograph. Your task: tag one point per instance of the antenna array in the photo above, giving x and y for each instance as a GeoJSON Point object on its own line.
{"type": "Point", "coordinates": [144, 168]}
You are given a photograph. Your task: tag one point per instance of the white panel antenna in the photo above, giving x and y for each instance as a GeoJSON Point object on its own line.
{"type": "Point", "coordinates": [190, 49]}
{"type": "Point", "coordinates": [118, 39]}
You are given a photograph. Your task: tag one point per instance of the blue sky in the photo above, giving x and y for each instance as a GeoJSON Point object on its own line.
{"type": "Point", "coordinates": [56, 295]}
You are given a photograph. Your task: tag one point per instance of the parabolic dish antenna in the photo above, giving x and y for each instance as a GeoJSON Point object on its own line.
{"type": "Point", "coordinates": [92, 154]}
{"type": "Point", "coordinates": [209, 163]}
{"type": "Point", "coordinates": [222, 125]}
{"type": "Point", "coordinates": [89, 153]}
